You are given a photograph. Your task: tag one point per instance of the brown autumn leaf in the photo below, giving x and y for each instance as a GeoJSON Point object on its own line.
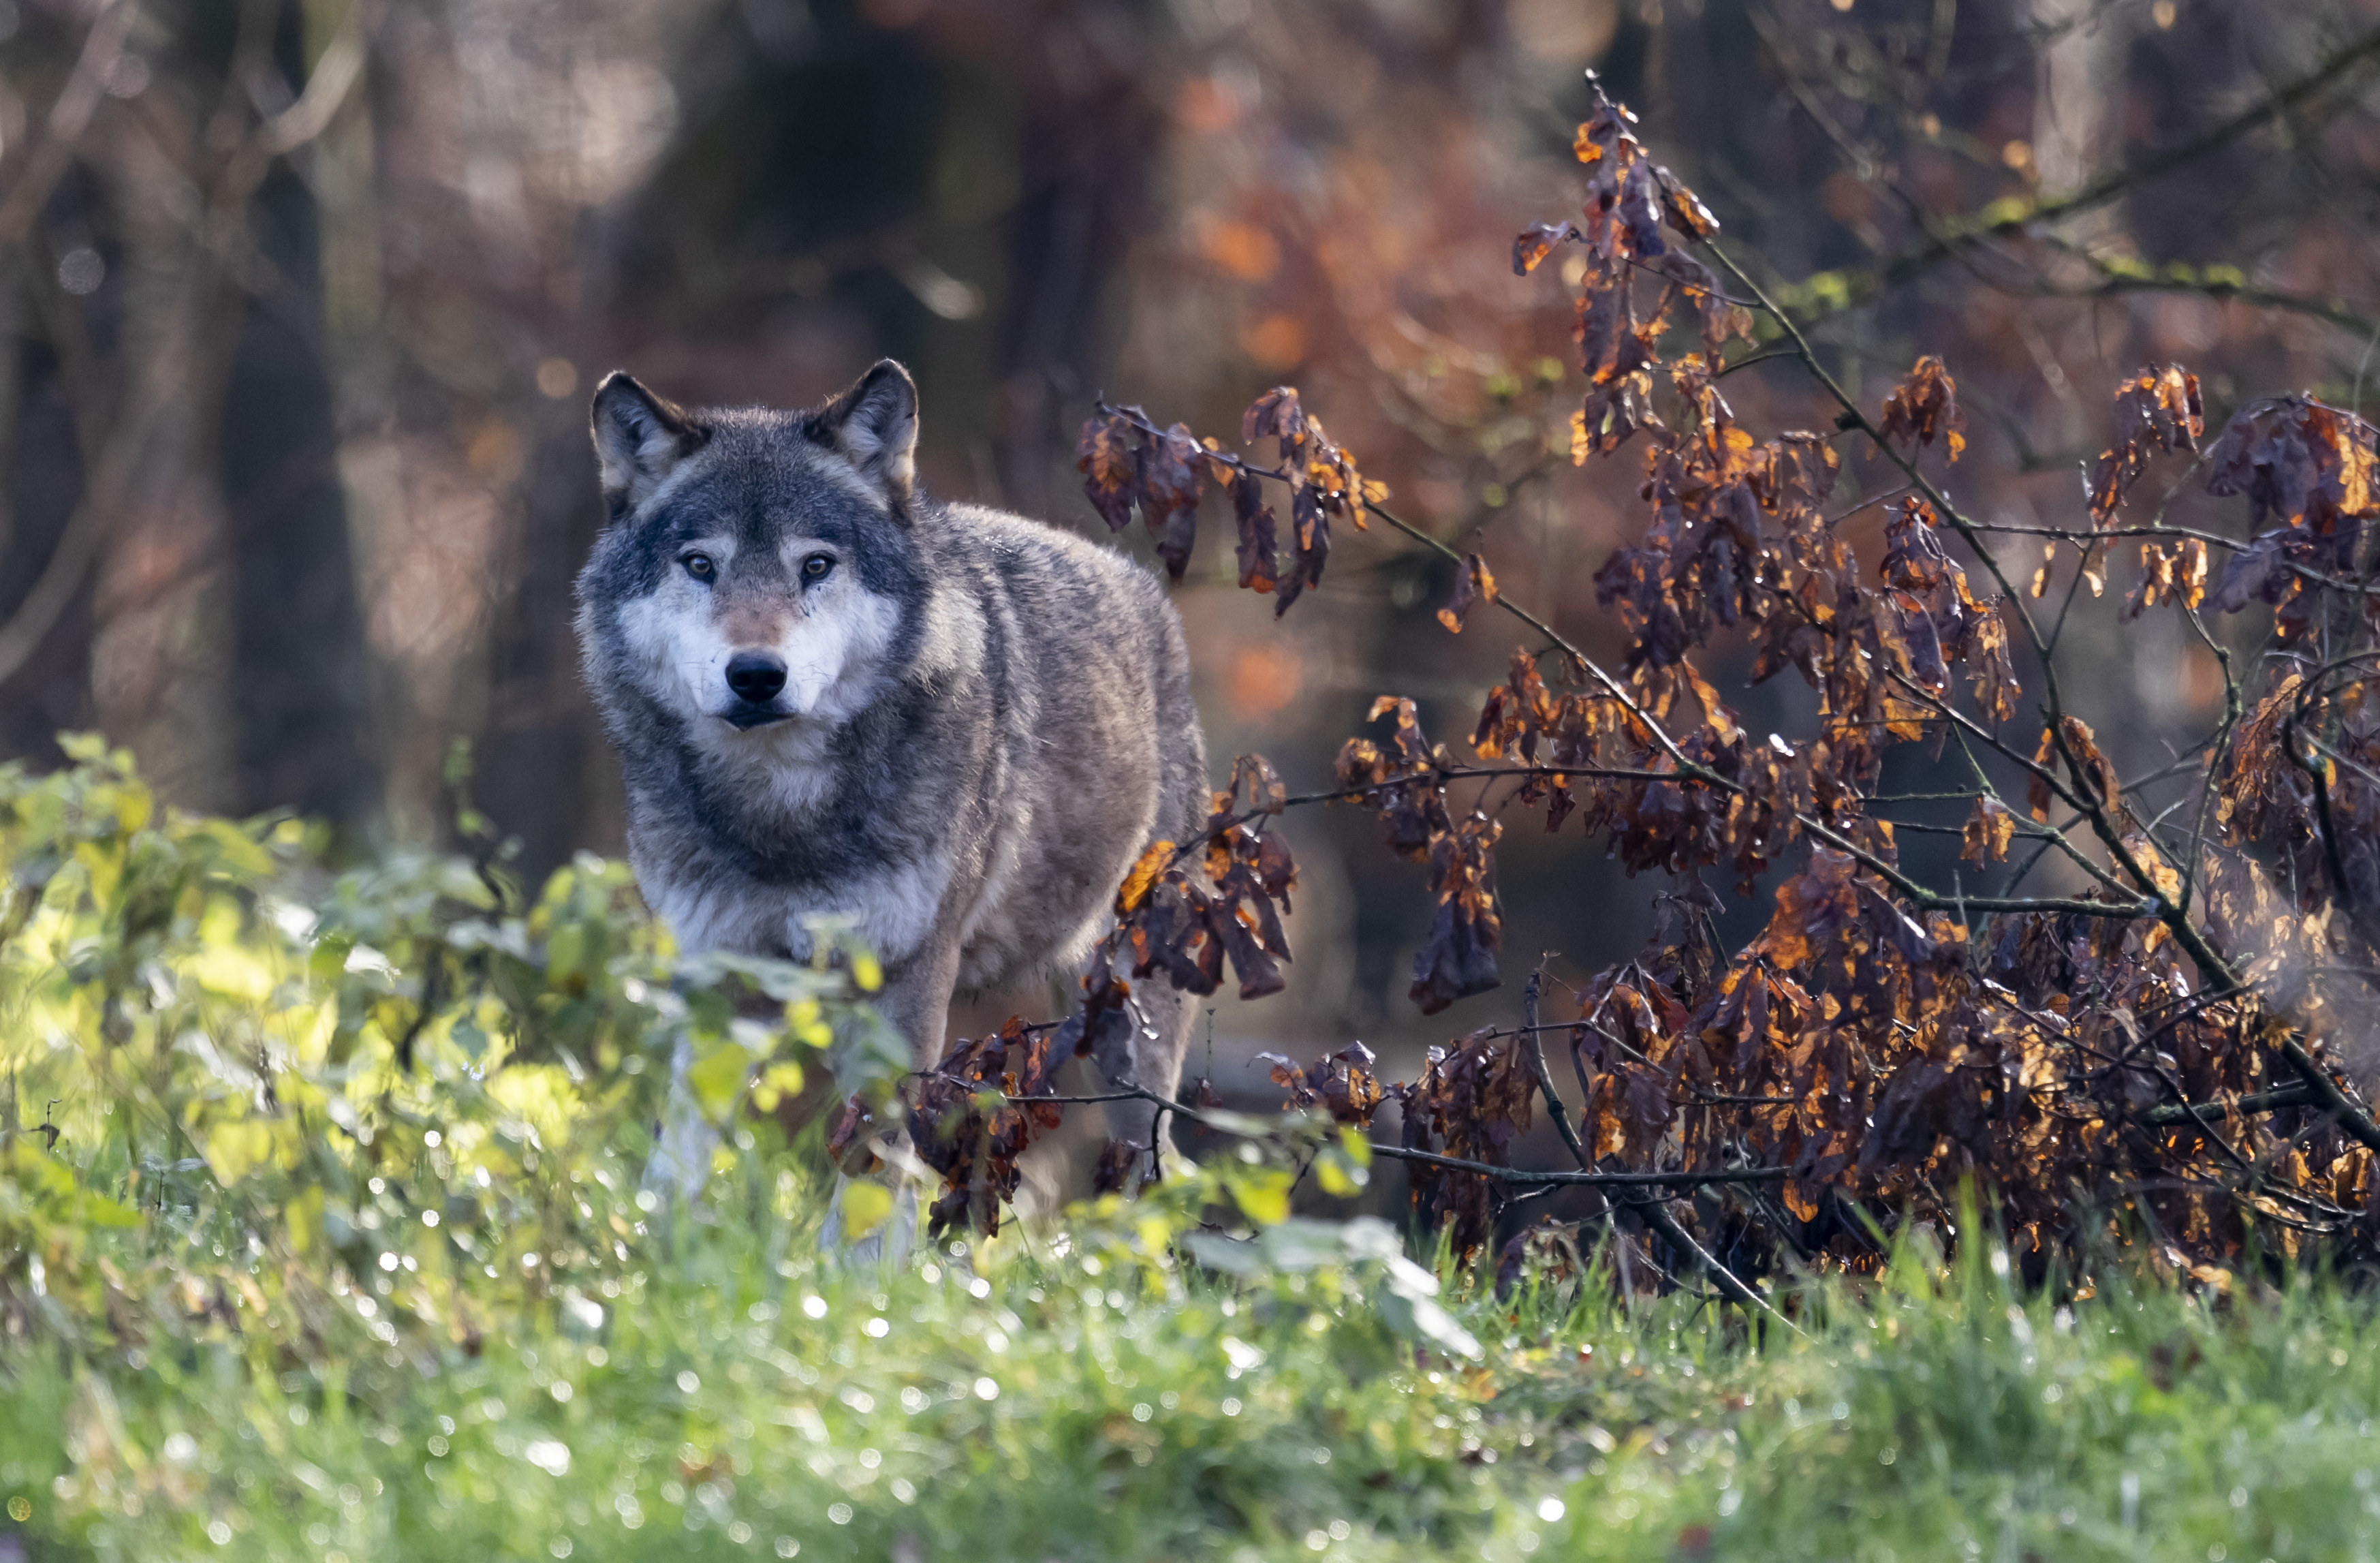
{"type": "Point", "coordinates": [2231, 465]}
{"type": "Point", "coordinates": [1683, 208]}
{"type": "Point", "coordinates": [2169, 575]}
{"type": "Point", "coordinates": [1119, 1160]}
{"type": "Point", "coordinates": [1517, 714]}
{"type": "Point", "coordinates": [1255, 785]}
{"type": "Point", "coordinates": [1309, 546]}
{"type": "Point", "coordinates": [1612, 414]}
{"type": "Point", "coordinates": [2157, 409]}
{"type": "Point", "coordinates": [2160, 868]}
{"type": "Point", "coordinates": [2258, 794]}
{"type": "Point", "coordinates": [1611, 343]}
{"type": "Point", "coordinates": [1187, 927]}
{"type": "Point", "coordinates": [2189, 587]}
{"type": "Point", "coordinates": [1715, 711]}
{"type": "Point", "coordinates": [1720, 317]}
{"type": "Point", "coordinates": [1814, 910]}
{"type": "Point", "coordinates": [2098, 772]}
{"type": "Point", "coordinates": [1631, 219]}
{"type": "Point", "coordinates": [972, 1117]}
{"type": "Point", "coordinates": [1134, 895]}
{"type": "Point", "coordinates": [1925, 408]}
{"type": "Point", "coordinates": [2038, 794]}
{"type": "Point", "coordinates": [1111, 474]}
{"type": "Point", "coordinates": [1605, 132]}
{"type": "Point", "coordinates": [1101, 1028]}
{"type": "Point", "coordinates": [1472, 1100]}
{"type": "Point", "coordinates": [1926, 1099]}
{"type": "Point", "coordinates": [2258, 572]}
{"type": "Point", "coordinates": [1537, 241]}
{"type": "Point", "coordinates": [1276, 413]}
{"type": "Point", "coordinates": [1172, 470]}
{"type": "Point", "coordinates": [1459, 957]}
{"type": "Point", "coordinates": [1174, 932]}
{"type": "Point", "coordinates": [1343, 1085]}
{"type": "Point", "coordinates": [1256, 959]}
{"type": "Point", "coordinates": [1473, 583]}
{"type": "Point", "coordinates": [1398, 780]}
{"type": "Point", "coordinates": [2156, 580]}
{"type": "Point", "coordinates": [1988, 830]}
{"type": "Point", "coordinates": [847, 1138]}
{"type": "Point", "coordinates": [2310, 467]}
{"type": "Point", "coordinates": [1259, 551]}
{"type": "Point", "coordinates": [1630, 1112]}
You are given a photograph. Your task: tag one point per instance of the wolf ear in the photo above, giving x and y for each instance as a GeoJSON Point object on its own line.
{"type": "Point", "coordinates": [874, 426]}
{"type": "Point", "coordinates": [639, 438]}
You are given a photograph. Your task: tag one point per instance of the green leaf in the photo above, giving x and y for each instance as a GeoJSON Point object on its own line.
{"type": "Point", "coordinates": [1341, 1175]}
{"type": "Point", "coordinates": [239, 850]}
{"type": "Point", "coordinates": [563, 951]}
{"type": "Point", "coordinates": [778, 1081]}
{"type": "Point", "coordinates": [303, 1216]}
{"type": "Point", "coordinates": [1261, 1193]}
{"type": "Point", "coordinates": [133, 807]}
{"type": "Point", "coordinates": [718, 1076]}
{"type": "Point", "coordinates": [1296, 1244]}
{"type": "Point", "coordinates": [866, 1207]}
{"type": "Point", "coordinates": [1217, 1252]}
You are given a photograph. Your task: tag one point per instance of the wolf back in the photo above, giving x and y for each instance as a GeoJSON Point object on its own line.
{"type": "Point", "coordinates": [832, 694]}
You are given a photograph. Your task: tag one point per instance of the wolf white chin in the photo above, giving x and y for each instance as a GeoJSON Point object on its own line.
{"type": "Point", "coordinates": [831, 694]}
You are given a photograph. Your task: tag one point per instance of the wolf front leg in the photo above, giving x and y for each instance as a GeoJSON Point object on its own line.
{"type": "Point", "coordinates": [917, 1002]}
{"type": "Point", "coordinates": [917, 998]}
{"type": "Point", "coordinates": [1163, 1036]}
{"type": "Point", "coordinates": [684, 1138]}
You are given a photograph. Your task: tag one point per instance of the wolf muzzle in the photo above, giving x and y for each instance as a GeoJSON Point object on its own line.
{"type": "Point", "coordinates": [756, 679]}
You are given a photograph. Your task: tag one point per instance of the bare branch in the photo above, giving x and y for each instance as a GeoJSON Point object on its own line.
{"type": "Point", "coordinates": [30, 188]}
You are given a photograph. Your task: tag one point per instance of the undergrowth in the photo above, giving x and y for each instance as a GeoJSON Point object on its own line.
{"type": "Point", "coordinates": [324, 1236]}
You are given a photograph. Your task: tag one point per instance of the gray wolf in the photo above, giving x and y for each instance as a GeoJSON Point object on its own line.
{"type": "Point", "coordinates": [832, 694]}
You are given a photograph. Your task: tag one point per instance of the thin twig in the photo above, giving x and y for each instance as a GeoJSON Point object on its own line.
{"type": "Point", "coordinates": [1588, 1179]}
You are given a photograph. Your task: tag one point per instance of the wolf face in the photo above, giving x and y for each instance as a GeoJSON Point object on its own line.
{"type": "Point", "coordinates": [760, 568]}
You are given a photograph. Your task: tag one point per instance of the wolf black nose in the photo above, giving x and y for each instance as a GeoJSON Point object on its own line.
{"type": "Point", "coordinates": [755, 676]}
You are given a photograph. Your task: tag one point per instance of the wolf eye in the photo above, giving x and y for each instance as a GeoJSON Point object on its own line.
{"type": "Point", "coordinates": [816, 565]}
{"type": "Point", "coordinates": [699, 565]}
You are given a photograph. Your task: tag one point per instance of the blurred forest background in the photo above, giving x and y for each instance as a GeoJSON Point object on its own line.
{"type": "Point", "coordinates": [304, 299]}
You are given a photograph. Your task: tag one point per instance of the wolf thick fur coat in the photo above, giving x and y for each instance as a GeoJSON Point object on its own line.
{"type": "Point", "coordinates": [832, 694]}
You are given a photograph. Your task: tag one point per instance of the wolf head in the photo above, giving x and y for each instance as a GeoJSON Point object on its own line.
{"type": "Point", "coordinates": [760, 568]}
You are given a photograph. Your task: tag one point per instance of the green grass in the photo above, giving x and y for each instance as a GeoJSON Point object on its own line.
{"type": "Point", "coordinates": [1104, 1403]}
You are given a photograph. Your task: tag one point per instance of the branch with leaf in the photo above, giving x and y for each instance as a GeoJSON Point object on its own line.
{"type": "Point", "coordinates": [2158, 1046]}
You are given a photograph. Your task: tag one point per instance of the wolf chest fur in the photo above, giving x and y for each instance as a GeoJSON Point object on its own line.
{"type": "Point", "coordinates": [832, 694]}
